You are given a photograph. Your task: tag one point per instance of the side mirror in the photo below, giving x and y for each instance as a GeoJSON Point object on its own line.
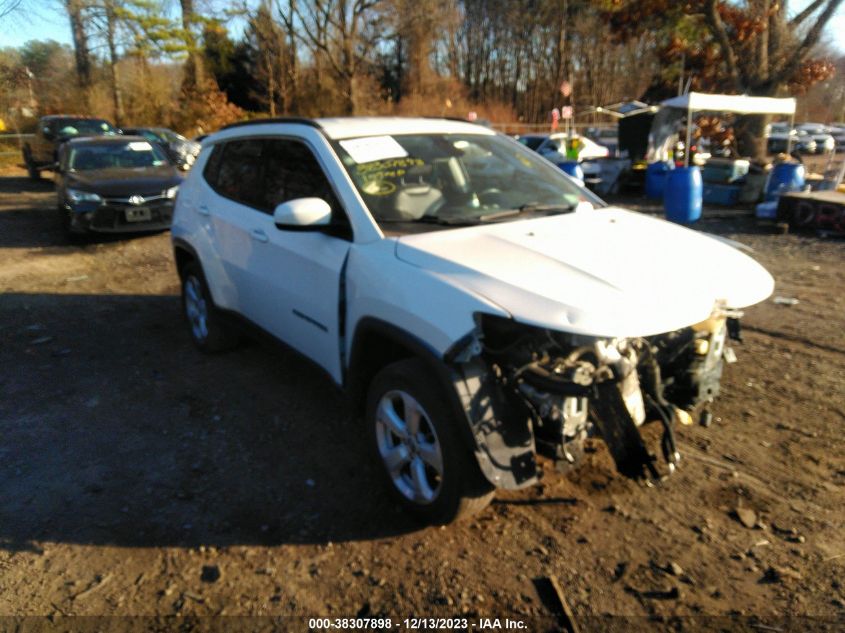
{"type": "Point", "coordinates": [47, 132]}
{"type": "Point", "coordinates": [303, 214]}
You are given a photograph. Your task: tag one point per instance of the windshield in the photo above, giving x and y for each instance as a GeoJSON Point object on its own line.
{"type": "Point", "coordinates": [455, 179]}
{"type": "Point", "coordinates": [84, 127]}
{"type": "Point", "coordinates": [147, 134]}
{"type": "Point", "coordinates": [170, 136]}
{"type": "Point", "coordinates": [137, 154]}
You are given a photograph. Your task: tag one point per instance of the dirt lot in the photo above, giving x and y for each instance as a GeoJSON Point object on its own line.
{"type": "Point", "coordinates": [138, 477]}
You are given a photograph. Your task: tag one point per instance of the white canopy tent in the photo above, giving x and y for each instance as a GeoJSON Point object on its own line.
{"type": "Point", "coordinates": [740, 104]}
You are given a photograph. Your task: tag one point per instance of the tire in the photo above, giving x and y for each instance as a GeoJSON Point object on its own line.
{"type": "Point", "coordinates": [73, 238]}
{"type": "Point", "coordinates": [31, 169]}
{"type": "Point", "coordinates": [431, 473]}
{"type": "Point", "coordinates": [208, 331]}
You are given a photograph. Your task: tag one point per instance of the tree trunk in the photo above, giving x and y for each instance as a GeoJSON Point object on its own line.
{"type": "Point", "coordinates": [194, 76]}
{"type": "Point", "coordinates": [750, 131]}
{"type": "Point", "coordinates": [80, 43]}
{"type": "Point", "coordinates": [117, 100]}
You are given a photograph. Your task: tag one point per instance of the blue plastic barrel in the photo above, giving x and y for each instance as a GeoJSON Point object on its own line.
{"type": "Point", "coordinates": [683, 195]}
{"type": "Point", "coordinates": [655, 178]}
{"type": "Point", "coordinates": [784, 177]}
{"type": "Point", "coordinates": [572, 168]}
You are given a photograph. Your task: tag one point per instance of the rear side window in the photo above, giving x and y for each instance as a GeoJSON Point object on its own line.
{"type": "Point", "coordinates": [238, 175]}
{"type": "Point", "coordinates": [212, 166]}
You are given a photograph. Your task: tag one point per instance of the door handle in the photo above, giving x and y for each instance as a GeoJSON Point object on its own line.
{"type": "Point", "coordinates": [259, 235]}
{"type": "Point", "coordinates": [203, 210]}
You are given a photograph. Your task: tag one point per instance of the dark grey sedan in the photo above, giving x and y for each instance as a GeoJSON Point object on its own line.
{"type": "Point", "coordinates": [115, 184]}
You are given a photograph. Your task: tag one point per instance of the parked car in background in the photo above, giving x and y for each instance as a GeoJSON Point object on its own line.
{"type": "Point", "coordinates": [115, 184]}
{"type": "Point", "coordinates": [478, 306]}
{"type": "Point", "coordinates": [181, 151]}
{"type": "Point", "coordinates": [820, 134]}
{"type": "Point", "coordinates": [554, 148]}
{"type": "Point", "coordinates": [41, 153]}
{"type": "Point", "coordinates": [607, 137]}
{"type": "Point", "coordinates": [778, 135]}
{"type": "Point", "coordinates": [558, 142]}
{"type": "Point", "coordinates": [838, 133]}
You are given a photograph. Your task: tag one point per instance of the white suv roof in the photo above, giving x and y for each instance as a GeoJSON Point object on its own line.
{"type": "Point", "coordinates": [349, 127]}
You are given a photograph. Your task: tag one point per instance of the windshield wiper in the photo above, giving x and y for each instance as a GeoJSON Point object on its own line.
{"type": "Point", "coordinates": [492, 216]}
{"type": "Point", "coordinates": [536, 207]}
{"type": "Point", "coordinates": [430, 219]}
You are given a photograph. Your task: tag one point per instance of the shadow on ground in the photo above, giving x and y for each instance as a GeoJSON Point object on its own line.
{"type": "Point", "coordinates": [114, 430]}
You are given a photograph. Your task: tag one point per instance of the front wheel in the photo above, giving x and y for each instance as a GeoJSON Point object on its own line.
{"type": "Point", "coordinates": [207, 329]}
{"type": "Point", "coordinates": [427, 467]}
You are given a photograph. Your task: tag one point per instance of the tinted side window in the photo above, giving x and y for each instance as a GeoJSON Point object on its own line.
{"type": "Point", "coordinates": [212, 165]}
{"type": "Point", "coordinates": [239, 174]}
{"type": "Point", "coordinates": [292, 171]}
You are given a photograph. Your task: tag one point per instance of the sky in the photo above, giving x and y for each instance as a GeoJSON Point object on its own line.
{"type": "Point", "coordinates": [44, 19]}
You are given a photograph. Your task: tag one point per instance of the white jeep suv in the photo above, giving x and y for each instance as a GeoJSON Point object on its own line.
{"type": "Point", "coordinates": [479, 307]}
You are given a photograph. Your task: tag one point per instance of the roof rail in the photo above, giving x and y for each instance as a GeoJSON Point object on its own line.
{"type": "Point", "coordinates": [284, 119]}
{"type": "Point", "coordinates": [449, 118]}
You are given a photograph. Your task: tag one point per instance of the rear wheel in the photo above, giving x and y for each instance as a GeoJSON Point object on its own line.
{"type": "Point", "coordinates": [205, 325]}
{"type": "Point", "coordinates": [427, 467]}
{"type": "Point", "coordinates": [31, 169]}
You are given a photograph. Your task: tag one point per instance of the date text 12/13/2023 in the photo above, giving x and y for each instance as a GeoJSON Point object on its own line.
{"type": "Point", "coordinates": [414, 624]}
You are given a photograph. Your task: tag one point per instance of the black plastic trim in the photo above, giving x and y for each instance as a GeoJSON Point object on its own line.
{"type": "Point", "coordinates": [356, 387]}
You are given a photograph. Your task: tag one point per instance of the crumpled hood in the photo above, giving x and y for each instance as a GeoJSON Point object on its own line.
{"type": "Point", "coordinates": [605, 272]}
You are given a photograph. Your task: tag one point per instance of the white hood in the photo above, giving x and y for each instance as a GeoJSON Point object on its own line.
{"type": "Point", "coordinates": [605, 272]}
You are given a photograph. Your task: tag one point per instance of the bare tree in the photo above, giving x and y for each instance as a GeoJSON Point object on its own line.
{"type": "Point", "coordinates": [7, 7]}
{"type": "Point", "coordinates": [194, 76]}
{"type": "Point", "coordinates": [341, 32]}
{"type": "Point", "coordinates": [80, 42]}
{"type": "Point", "coordinates": [271, 67]}
{"type": "Point", "coordinates": [775, 54]}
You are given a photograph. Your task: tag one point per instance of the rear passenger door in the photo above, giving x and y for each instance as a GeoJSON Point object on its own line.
{"type": "Point", "coordinates": [234, 173]}
{"type": "Point", "coordinates": [295, 276]}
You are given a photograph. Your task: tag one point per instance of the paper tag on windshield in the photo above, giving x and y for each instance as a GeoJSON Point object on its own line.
{"type": "Point", "coordinates": [139, 146]}
{"type": "Point", "coordinates": [366, 150]}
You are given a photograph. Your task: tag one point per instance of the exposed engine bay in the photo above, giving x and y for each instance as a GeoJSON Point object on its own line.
{"type": "Point", "coordinates": [528, 390]}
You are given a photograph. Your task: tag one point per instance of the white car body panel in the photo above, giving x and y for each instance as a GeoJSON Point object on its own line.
{"type": "Point", "coordinates": [293, 283]}
{"type": "Point", "coordinates": [588, 272]}
{"type": "Point", "coordinates": [433, 308]}
{"type": "Point", "coordinates": [591, 273]}
{"type": "Point", "coordinates": [193, 224]}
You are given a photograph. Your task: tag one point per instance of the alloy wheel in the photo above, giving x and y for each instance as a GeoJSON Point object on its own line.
{"type": "Point", "coordinates": [409, 447]}
{"type": "Point", "coordinates": [196, 308]}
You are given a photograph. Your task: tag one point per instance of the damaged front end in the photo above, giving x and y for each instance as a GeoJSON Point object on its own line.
{"type": "Point", "coordinates": [528, 390]}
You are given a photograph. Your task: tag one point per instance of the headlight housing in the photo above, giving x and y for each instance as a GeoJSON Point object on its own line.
{"type": "Point", "coordinates": [76, 196]}
{"type": "Point", "coordinates": [170, 194]}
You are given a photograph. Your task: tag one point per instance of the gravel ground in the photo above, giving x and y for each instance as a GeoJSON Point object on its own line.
{"type": "Point", "coordinates": [139, 477]}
